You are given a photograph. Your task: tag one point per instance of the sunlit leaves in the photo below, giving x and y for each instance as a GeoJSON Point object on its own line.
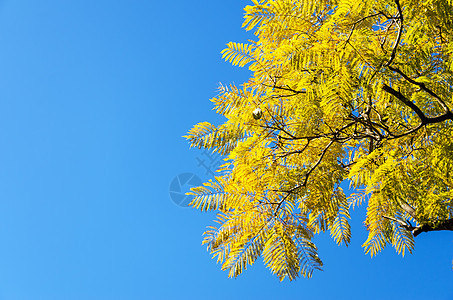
{"type": "Point", "coordinates": [239, 54]}
{"type": "Point", "coordinates": [402, 239]}
{"type": "Point", "coordinates": [340, 91]}
{"type": "Point", "coordinates": [340, 229]}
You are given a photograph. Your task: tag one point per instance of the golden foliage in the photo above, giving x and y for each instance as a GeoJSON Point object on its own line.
{"type": "Point", "coordinates": [346, 90]}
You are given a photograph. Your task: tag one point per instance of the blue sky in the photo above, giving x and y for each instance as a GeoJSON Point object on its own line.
{"type": "Point", "coordinates": [95, 97]}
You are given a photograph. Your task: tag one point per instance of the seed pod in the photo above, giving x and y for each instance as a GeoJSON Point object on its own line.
{"type": "Point", "coordinates": [257, 113]}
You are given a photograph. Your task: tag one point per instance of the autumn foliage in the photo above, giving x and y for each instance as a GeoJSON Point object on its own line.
{"type": "Point", "coordinates": [357, 91]}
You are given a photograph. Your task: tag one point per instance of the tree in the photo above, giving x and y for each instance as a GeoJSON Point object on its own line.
{"type": "Point", "coordinates": [341, 91]}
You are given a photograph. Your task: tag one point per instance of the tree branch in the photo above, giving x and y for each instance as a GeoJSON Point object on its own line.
{"type": "Point", "coordinates": [448, 115]}
{"type": "Point", "coordinates": [400, 32]}
{"type": "Point", "coordinates": [406, 101]}
{"type": "Point", "coordinates": [361, 20]}
{"type": "Point", "coordinates": [440, 225]}
{"type": "Point", "coordinates": [306, 177]}
{"type": "Point", "coordinates": [416, 230]}
{"type": "Point", "coordinates": [422, 86]}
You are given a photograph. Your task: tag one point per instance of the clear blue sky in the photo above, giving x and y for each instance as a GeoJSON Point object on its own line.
{"type": "Point", "coordinates": [94, 99]}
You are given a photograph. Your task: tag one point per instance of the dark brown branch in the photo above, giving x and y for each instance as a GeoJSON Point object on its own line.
{"type": "Point", "coordinates": [287, 88]}
{"type": "Point", "coordinates": [416, 230]}
{"type": "Point", "coordinates": [288, 153]}
{"type": "Point", "coordinates": [289, 192]}
{"type": "Point", "coordinates": [422, 86]}
{"type": "Point", "coordinates": [384, 39]}
{"type": "Point", "coordinates": [440, 225]}
{"type": "Point", "coordinates": [318, 162]}
{"type": "Point", "coordinates": [359, 21]}
{"type": "Point", "coordinates": [400, 32]}
{"type": "Point", "coordinates": [410, 131]}
{"type": "Point", "coordinates": [425, 120]}
{"type": "Point", "coordinates": [406, 101]}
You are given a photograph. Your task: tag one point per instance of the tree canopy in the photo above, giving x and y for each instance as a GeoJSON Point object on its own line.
{"type": "Point", "coordinates": [341, 91]}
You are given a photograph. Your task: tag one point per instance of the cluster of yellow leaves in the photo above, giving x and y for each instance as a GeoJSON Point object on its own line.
{"type": "Point", "coordinates": [319, 68]}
